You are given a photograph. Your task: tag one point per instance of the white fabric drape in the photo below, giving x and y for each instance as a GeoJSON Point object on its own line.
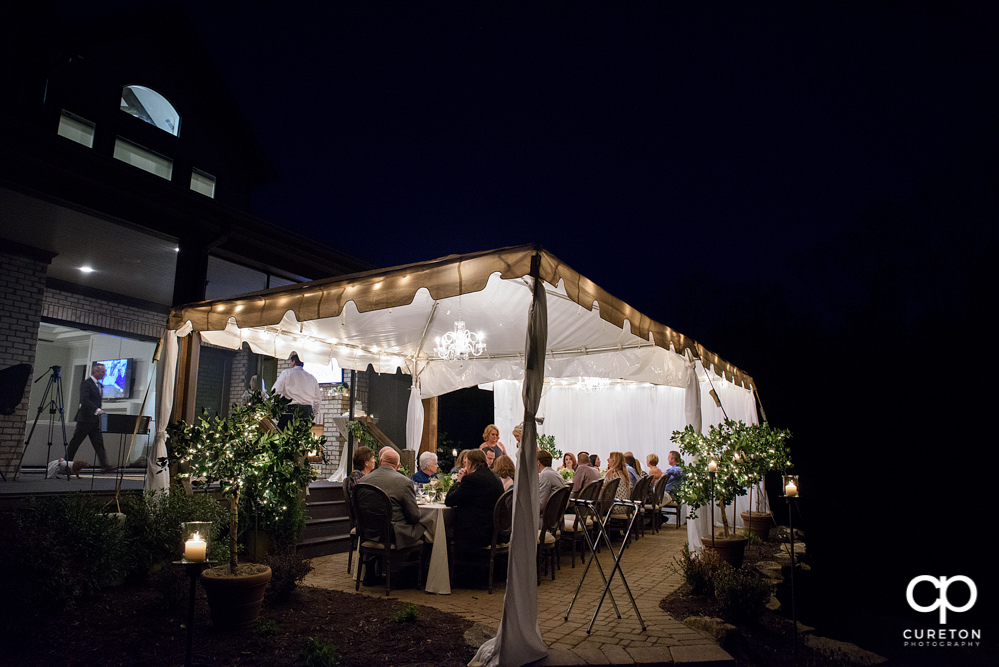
{"type": "Point", "coordinates": [156, 480]}
{"type": "Point", "coordinates": [636, 418]}
{"type": "Point", "coordinates": [414, 421]}
{"type": "Point", "coordinates": [518, 640]}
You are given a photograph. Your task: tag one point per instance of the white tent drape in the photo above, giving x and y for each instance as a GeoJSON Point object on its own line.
{"type": "Point", "coordinates": [518, 640]}
{"type": "Point", "coordinates": [155, 479]}
{"type": "Point", "coordinates": [414, 421]}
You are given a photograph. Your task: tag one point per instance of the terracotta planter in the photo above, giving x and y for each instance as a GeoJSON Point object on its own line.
{"type": "Point", "coordinates": [235, 601]}
{"type": "Point", "coordinates": [729, 549]}
{"type": "Point", "coordinates": [758, 523]}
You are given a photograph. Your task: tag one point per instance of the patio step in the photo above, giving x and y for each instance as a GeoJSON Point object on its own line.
{"type": "Point", "coordinates": [327, 527]}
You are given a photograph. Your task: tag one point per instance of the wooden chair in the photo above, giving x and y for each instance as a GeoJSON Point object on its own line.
{"type": "Point", "coordinates": [348, 491]}
{"type": "Point", "coordinates": [551, 528]}
{"type": "Point", "coordinates": [502, 524]}
{"type": "Point", "coordinates": [641, 493]}
{"type": "Point", "coordinates": [572, 528]}
{"type": "Point", "coordinates": [373, 510]}
{"type": "Point", "coordinates": [653, 508]}
{"type": "Point", "coordinates": [604, 501]}
{"type": "Point", "coordinates": [670, 508]}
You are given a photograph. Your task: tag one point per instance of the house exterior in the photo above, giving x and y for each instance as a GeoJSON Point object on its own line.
{"type": "Point", "coordinates": [126, 172]}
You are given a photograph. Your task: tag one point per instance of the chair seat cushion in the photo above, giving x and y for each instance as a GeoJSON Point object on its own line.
{"type": "Point", "coordinates": [546, 537]}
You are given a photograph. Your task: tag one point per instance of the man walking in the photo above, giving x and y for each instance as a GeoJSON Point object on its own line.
{"type": "Point", "coordinates": [88, 417]}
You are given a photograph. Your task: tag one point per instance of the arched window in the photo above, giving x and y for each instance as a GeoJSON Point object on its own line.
{"type": "Point", "coordinates": [148, 105]}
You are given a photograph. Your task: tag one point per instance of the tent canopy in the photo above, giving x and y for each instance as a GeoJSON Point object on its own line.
{"type": "Point", "coordinates": [392, 318]}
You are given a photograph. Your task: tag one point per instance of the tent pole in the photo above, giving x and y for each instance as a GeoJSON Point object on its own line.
{"type": "Point", "coordinates": [350, 417]}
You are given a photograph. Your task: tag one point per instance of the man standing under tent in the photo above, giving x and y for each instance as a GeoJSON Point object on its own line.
{"type": "Point", "coordinates": [301, 388]}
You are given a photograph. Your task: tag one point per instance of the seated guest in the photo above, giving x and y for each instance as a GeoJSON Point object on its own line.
{"type": "Point", "coordinates": [595, 461]}
{"type": "Point", "coordinates": [632, 466]}
{"type": "Point", "coordinates": [504, 469]}
{"type": "Point", "coordinates": [568, 461]}
{"type": "Point", "coordinates": [654, 471]}
{"type": "Point", "coordinates": [616, 469]}
{"type": "Point", "coordinates": [428, 468]}
{"type": "Point", "coordinates": [406, 527]}
{"type": "Point", "coordinates": [459, 462]}
{"type": "Point", "coordinates": [473, 497]}
{"type": "Point", "coordinates": [549, 481]}
{"type": "Point", "coordinates": [585, 473]}
{"type": "Point", "coordinates": [363, 462]}
{"type": "Point", "coordinates": [489, 453]}
{"type": "Point", "coordinates": [675, 472]}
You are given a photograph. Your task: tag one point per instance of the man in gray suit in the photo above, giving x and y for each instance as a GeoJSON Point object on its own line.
{"type": "Point", "coordinates": [406, 524]}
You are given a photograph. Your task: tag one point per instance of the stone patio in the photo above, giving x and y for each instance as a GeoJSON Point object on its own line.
{"type": "Point", "coordinates": [614, 641]}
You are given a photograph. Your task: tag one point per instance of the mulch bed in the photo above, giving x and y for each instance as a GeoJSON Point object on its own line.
{"type": "Point", "coordinates": [132, 626]}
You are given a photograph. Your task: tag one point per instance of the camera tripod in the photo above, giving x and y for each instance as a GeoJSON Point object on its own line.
{"type": "Point", "coordinates": [53, 400]}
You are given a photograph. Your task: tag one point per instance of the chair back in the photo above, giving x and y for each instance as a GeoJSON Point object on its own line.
{"type": "Point", "coordinates": [503, 517]}
{"type": "Point", "coordinates": [373, 511]}
{"type": "Point", "coordinates": [641, 490]}
{"type": "Point", "coordinates": [607, 494]}
{"type": "Point", "coordinates": [349, 485]}
{"type": "Point", "coordinates": [659, 491]}
{"type": "Point", "coordinates": [591, 491]}
{"type": "Point", "coordinates": [552, 518]}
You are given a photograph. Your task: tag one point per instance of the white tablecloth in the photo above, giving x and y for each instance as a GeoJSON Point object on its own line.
{"type": "Point", "coordinates": [434, 517]}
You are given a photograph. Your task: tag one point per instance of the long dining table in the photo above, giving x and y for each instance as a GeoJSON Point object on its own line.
{"type": "Point", "coordinates": [436, 519]}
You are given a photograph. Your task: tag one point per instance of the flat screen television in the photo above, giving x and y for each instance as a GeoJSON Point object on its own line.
{"type": "Point", "coordinates": [117, 378]}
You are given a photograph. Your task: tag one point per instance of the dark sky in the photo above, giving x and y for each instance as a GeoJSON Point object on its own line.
{"type": "Point", "coordinates": [641, 145]}
{"type": "Point", "coordinates": [808, 189]}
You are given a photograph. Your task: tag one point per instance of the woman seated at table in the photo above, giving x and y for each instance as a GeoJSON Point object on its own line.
{"type": "Point", "coordinates": [459, 462]}
{"type": "Point", "coordinates": [568, 461]}
{"type": "Point", "coordinates": [363, 462]}
{"type": "Point", "coordinates": [504, 469]}
{"type": "Point", "coordinates": [617, 470]}
{"type": "Point", "coordinates": [473, 497]}
{"type": "Point", "coordinates": [655, 472]}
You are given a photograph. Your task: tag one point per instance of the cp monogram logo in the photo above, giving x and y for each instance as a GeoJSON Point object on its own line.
{"type": "Point", "coordinates": [941, 602]}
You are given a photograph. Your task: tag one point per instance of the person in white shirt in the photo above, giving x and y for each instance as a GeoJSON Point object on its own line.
{"type": "Point", "coordinates": [301, 388]}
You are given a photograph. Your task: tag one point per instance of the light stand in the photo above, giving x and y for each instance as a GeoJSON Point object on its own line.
{"type": "Point", "coordinates": [53, 399]}
{"type": "Point", "coordinates": [791, 496]}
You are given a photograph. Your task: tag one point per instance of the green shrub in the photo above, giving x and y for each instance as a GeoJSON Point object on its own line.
{"type": "Point", "coordinates": [408, 614]}
{"type": "Point", "coordinates": [268, 628]}
{"type": "Point", "coordinates": [318, 653]}
{"type": "Point", "coordinates": [698, 569]}
{"type": "Point", "coordinates": [742, 593]}
{"type": "Point", "coordinates": [59, 551]}
{"type": "Point", "coordinates": [288, 569]}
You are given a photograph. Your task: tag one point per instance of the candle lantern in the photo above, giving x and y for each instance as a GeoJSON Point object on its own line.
{"type": "Point", "coordinates": [195, 540]}
{"type": "Point", "coordinates": [712, 466]}
{"type": "Point", "coordinates": [791, 486]}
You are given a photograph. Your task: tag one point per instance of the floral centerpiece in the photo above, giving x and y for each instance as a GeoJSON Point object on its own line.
{"type": "Point", "coordinates": [441, 484]}
{"type": "Point", "coordinates": [567, 474]}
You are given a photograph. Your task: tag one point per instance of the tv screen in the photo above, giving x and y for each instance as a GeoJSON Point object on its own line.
{"type": "Point", "coordinates": [117, 378]}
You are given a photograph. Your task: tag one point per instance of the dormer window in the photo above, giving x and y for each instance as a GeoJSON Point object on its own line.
{"type": "Point", "coordinates": [148, 105]}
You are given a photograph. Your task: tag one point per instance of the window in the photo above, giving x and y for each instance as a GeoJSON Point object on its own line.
{"type": "Point", "coordinates": [203, 182]}
{"type": "Point", "coordinates": [137, 156]}
{"type": "Point", "coordinates": [76, 129]}
{"type": "Point", "coordinates": [148, 105]}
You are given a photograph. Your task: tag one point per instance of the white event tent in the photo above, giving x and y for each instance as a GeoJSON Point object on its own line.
{"type": "Point", "coordinates": [609, 378]}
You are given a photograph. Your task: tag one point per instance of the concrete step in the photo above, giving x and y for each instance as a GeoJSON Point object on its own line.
{"type": "Point", "coordinates": [326, 509]}
{"type": "Point", "coordinates": [324, 546]}
{"type": "Point", "coordinates": [326, 528]}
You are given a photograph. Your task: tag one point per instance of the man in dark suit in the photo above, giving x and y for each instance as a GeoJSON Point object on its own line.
{"type": "Point", "coordinates": [406, 524]}
{"type": "Point", "coordinates": [88, 417]}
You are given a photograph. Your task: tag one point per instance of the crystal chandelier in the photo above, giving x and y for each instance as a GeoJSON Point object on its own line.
{"type": "Point", "coordinates": [459, 344]}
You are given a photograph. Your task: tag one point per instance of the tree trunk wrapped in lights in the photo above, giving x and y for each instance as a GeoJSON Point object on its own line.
{"type": "Point", "coordinates": [252, 462]}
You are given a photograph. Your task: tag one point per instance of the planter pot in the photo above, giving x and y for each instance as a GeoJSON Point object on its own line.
{"type": "Point", "coordinates": [235, 601]}
{"type": "Point", "coordinates": [729, 549]}
{"type": "Point", "coordinates": [758, 523]}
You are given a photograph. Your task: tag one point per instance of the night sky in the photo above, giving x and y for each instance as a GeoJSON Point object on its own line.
{"type": "Point", "coordinates": [808, 189]}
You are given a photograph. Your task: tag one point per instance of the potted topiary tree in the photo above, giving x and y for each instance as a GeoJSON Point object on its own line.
{"type": "Point", "coordinates": [700, 487]}
{"type": "Point", "coordinates": [252, 463]}
{"type": "Point", "coordinates": [762, 448]}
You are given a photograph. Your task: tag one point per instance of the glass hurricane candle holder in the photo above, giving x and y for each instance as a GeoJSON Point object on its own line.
{"type": "Point", "coordinates": [791, 486]}
{"type": "Point", "coordinates": [195, 540]}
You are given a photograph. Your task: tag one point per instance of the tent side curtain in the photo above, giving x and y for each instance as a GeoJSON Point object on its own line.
{"type": "Point", "coordinates": [443, 278]}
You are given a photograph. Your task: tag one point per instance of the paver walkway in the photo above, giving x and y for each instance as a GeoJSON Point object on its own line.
{"type": "Point", "coordinates": [612, 641]}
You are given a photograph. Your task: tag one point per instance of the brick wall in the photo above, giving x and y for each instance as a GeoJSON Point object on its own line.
{"type": "Point", "coordinates": [95, 312]}
{"type": "Point", "coordinates": [22, 288]}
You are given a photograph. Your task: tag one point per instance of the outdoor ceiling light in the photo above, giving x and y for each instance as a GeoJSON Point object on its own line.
{"type": "Point", "coordinates": [459, 344]}
{"type": "Point", "coordinates": [87, 269]}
